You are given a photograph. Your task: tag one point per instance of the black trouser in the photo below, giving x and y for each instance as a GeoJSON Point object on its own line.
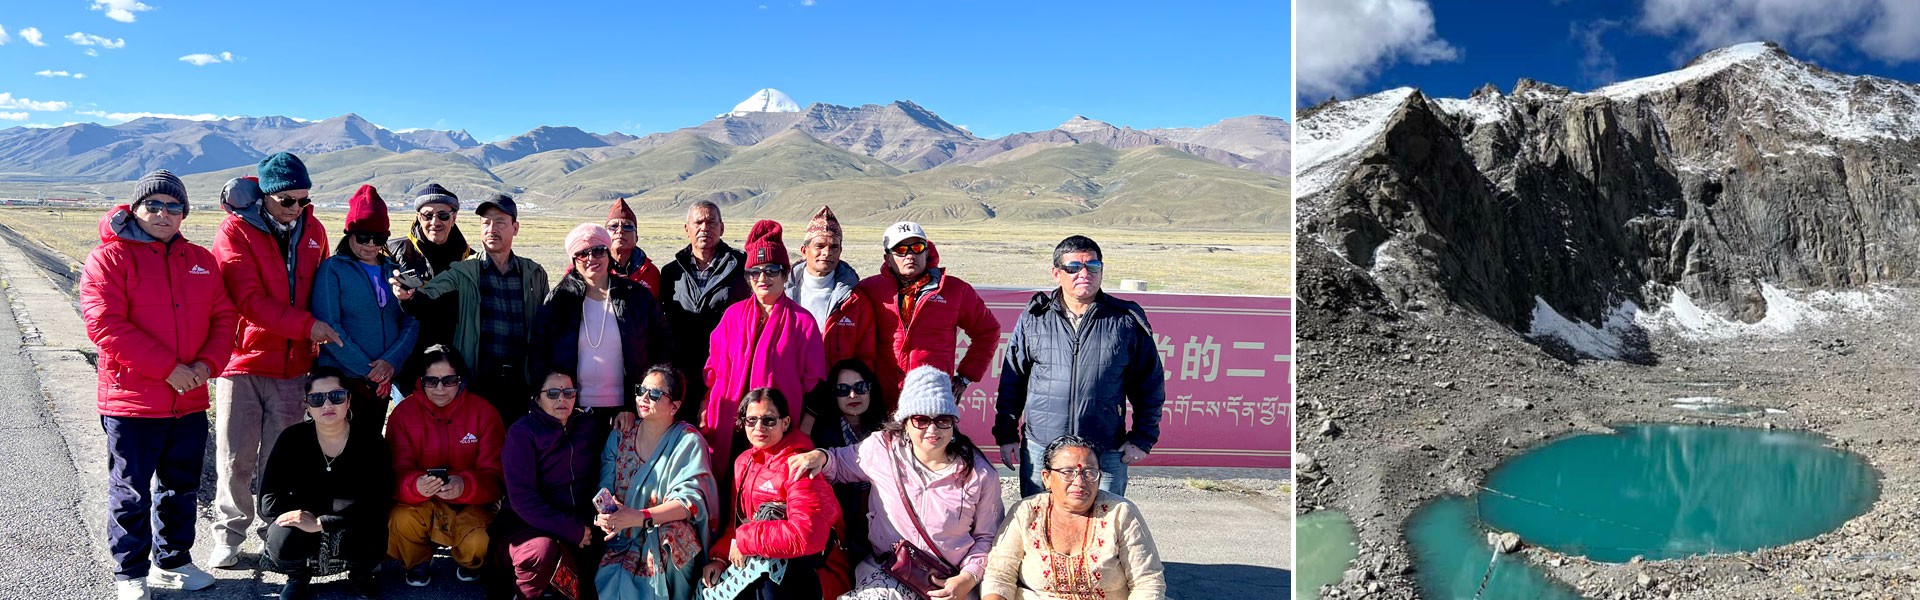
{"type": "Point", "coordinates": [152, 462]}
{"type": "Point", "coordinates": [503, 387]}
{"type": "Point", "coordinates": [369, 408]}
{"type": "Point", "coordinates": [361, 544]}
{"type": "Point", "coordinates": [801, 583]}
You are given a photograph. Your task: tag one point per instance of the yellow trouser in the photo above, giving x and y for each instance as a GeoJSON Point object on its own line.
{"type": "Point", "coordinates": [415, 530]}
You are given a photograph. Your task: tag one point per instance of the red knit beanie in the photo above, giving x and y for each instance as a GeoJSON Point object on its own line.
{"type": "Point", "coordinates": [367, 212]}
{"type": "Point", "coordinates": [621, 211]}
{"type": "Point", "coordinates": [764, 246]}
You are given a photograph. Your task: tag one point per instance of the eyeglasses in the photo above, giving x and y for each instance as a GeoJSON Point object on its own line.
{"type": "Point", "coordinates": [154, 207]}
{"type": "Point", "coordinates": [845, 390]}
{"type": "Point", "coordinates": [319, 399]}
{"type": "Point", "coordinates": [752, 422]}
{"type": "Point", "coordinates": [289, 201]}
{"type": "Point", "coordinates": [558, 393]}
{"type": "Point", "coordinates": [641, 392]}
{"type": "Point", "coordinates": [1092, 266]}
{"type": "Point", "coordinates": [594, 252]}
{"type": "Point", "coordinates": [436, 215]}
{"type": "Point", "coordinates": [620, 226]}
{"type": "Point", "coordinates": [1079, 473]}
{"type": "Point", "coordinates": [909, 249]}
{"type": "Point", "coordinates": [923, 422]}
{"type": "Point", "coordinates": [370, 238]}
{"type": "Point", "coordinates": [448, 381]}
{"type": "Point", "coordinates": [768, 270]}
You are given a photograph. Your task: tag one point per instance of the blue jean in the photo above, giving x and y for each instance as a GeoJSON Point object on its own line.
{"type": "Point", "coordinates": [1113, 471]}
{"type": "Point", "coordinates": [153, 478]}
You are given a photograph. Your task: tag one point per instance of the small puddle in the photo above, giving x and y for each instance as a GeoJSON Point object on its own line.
{"type": "Point", "coordinates": [1671, 491]}
{"type": "Point", "coordinates": [1323, 547]}
{"type": "Point", "coordinates": [1453, 558]}
{"type": "Point", "coordinates": [1721, 407]}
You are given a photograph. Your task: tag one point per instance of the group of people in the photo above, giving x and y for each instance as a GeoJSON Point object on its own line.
{"type": "Point", "coordinates": [727, 423]}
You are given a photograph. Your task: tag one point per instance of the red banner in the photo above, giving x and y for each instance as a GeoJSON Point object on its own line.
{"type": "Point", "coordinates": [1228, 361]}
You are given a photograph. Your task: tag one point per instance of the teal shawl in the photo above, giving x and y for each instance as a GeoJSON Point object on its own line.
{"type": "Point", "coordinates": [659, 562]}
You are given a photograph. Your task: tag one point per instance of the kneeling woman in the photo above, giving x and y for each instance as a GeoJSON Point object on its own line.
{"type": "Point", "coordinates": [552, 467]}
{"type": "Point", "coordinates": [664, 495]}
{"type": "Point", "coordinates": [779, 516]}
{"type": "Point", "coordinates": [327, 488]}
{"type": "Point", "coordinates": [1075, 540]}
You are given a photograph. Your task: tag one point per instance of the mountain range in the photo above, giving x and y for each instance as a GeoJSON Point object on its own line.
{"type": "Point", "coordinates": [1745, 169]}
{"type": "Point", "coordinates": [892, 159]}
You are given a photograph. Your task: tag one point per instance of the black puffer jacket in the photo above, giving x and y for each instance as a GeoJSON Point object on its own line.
{"type": "Point", "coordinates": [644, 337]}
{"type": "Point", "coordinates": [1065, 381]}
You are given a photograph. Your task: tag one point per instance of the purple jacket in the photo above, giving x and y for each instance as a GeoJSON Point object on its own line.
{"type": "Point", "coordinates": [552, 472]}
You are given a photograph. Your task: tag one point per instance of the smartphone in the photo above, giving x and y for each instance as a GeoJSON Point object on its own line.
{"type": "Point", "coordinates": [438, 473]}
{"type": "Point", "coordinates": [408, 279]}
{"type": "Point", "coordinates": [604, 502]}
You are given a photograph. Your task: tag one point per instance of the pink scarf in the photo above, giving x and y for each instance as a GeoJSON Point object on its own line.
{"type": "Point", "coordinates": [788, 354]}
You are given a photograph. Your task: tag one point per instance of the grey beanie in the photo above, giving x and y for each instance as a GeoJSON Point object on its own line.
{"type": "Point", "coordinates": [927, 392]}
{"type": "Point", "coordinates": [161, 181]}
{"type": "Point", "coordinates": [432, 193]}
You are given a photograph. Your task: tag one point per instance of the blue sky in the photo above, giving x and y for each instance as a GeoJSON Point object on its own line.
{"type": "Point", "coordinates": [498, 69]}
{"type": "Point", "coordinates": [1447, 48]}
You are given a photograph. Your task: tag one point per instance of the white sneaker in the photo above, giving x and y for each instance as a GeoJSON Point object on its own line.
{"type": "Point", "coordinates": [224, 556]}
{"type": "Point", "coordinates": [131, 589]}
{"type": "Point", "coordinates": [188, 577]}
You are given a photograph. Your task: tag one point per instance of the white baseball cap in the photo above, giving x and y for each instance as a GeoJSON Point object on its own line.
{"type": "Point", "coordinates": [900, 232]}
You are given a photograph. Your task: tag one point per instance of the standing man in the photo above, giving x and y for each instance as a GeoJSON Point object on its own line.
{"type": "Point", "coordinates": [629, 261]}
{"type": "Point", "coordinates": [493, 300]}
{"type": "Point", "coordinates": [153, 370]}
{"type": "Point", "coordinates": [827, 287]}
{"type": "Point", "coordinates": [430, 246]}
{"type": "Point", "coordinates": [704, 279]}
{"type": "Point", "coordinates": [1078, 359]}
{"type": "Point", "coordinates": [268, 252]}
{"type": "Point", "coordinates": [919, 310]}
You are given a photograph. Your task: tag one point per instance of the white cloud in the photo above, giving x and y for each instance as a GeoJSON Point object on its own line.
{"type": "Point", "coordinates": [201, 60]}
{"type": "Point", "coordinates": [4, 38]}
{"type": "Point", "coordinates": [1886, 30]}
{"type": "Point", "coordinates": [8, 101]}
{"type": "Point", "coordinates": [79, 75]}
{"type": "Point", "coordinates": [52, 73]}
{"type": "Point", "coordinates": [806, 2]}
{"type": "Point", "coordinates": [92, 52]}
{"type": "Point", "coordinates": [121, 10]}
{"type": "Point", "coordinates": [13, 116]}
{"type": "Point", "coordinates": [1596, 61]}
{"type": "Point", "coordinates": [1353, 40]}
{"type": "Point", "coordinates": [32, 36]}
{"type": "Point", "coordinates": [129, 116]}
{"type": "Point", "coordinates": [88, 39]}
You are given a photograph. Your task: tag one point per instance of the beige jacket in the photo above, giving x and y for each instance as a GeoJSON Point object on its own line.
{"type": "Point", "coordinates": [1120, 559]}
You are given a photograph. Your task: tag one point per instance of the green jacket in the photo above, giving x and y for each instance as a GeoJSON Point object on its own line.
{"type": "Point", "coordinates": [463, 279]}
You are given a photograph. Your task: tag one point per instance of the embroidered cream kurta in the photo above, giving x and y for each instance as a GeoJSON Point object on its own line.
{"type": "Point", "coordinates": [1119, 561]}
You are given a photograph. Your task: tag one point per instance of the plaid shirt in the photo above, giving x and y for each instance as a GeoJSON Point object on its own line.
{"type": "Point", "coordinates": [503, 331]}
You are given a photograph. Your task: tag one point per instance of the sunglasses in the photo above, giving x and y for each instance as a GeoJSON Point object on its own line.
{"type": "Point", "coordinates": [924, 422]}
{"type": "Point", "coordinates": [1074, 267]}
{"type": "Point", "coordinates": [558, 393]}
{"type": "Point", "coordinates": [319, 399]}
{"type": "Point", "coordinates": [909, 249]}
{"type": "Point", "coordinates": [448, 381]}
{"type": "Point", "coordinates": [154, 207]}
{"type": "Point", "coordinates": [641, 392]}
{"type": "Point", "coordinates": [1078, 473]}
{"type": "Point", "coordinates": [858, 389]}
{"type": "Point", "coordinates": [594, 252]}
{"type": "Point", "coordinates": [288, 202]}
{"type": "Point", "coordinates": [436, 215]}
{"type": "Point", "coordinates": [621, 226]}
{"type": "Point", "coordinates": [766, 271]}
{"type": "Point", "coordinates": [752, 422]}
{"type": "Point", "coordinates": [370, 238]}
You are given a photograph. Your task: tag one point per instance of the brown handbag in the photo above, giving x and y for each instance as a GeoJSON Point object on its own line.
{"type": "Point", "coordinates": [910, 565]}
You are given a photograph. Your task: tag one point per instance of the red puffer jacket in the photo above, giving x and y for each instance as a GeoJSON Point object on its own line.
{"type": "Point", "coordinates": [464, 437]}
{"type": "Point", "coordinates": [150, 306]}
{"type": "Point", "coordinates": [760, 476]}
{"type": "Point", "coordinates": [945, 306]}
{"type": "Point", "coordinates": [274, 322]}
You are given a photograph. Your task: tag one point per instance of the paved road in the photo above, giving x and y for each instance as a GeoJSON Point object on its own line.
{"type": "Point", "coordinates": [52, 497]}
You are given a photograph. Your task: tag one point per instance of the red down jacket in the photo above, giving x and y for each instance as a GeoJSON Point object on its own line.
{"type": "Point", "coordinates": [150, 306]}
{"type": "Point", "coordinates": [946, 305]}
{"type": "Point", "coordinates": [464, 437]}
{"type": "Point", "coordinates": [274, 321]}
{"type": "Point", "coordinates": [760, 476]}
